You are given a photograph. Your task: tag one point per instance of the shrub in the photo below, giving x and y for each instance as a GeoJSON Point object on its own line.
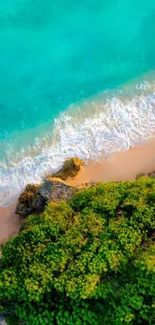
{"type": "Point", "coordinates": [90, 261]}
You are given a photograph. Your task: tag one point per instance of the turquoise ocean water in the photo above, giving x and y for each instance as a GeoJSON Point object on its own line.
{"type": "Point", "coordinates": [76, 79]}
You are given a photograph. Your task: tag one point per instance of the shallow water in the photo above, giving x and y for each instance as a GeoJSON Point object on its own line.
{"type": "Point", "coordinates": [97, 59]}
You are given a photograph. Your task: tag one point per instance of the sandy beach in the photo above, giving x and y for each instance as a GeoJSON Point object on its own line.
{"type": "Point", "coordinates": [9, 222]}
{"type": "Point", "coordinates": [119, 167]}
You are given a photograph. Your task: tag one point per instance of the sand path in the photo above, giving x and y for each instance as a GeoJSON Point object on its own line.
{"type": "Point", "coordinates": [9, 223]}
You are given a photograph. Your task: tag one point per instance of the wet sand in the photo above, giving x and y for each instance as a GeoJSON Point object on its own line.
{"type": "Point", "coordinates": [121, 166]}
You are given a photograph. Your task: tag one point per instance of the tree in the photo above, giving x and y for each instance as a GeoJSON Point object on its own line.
{"type": "Point", "coordinates": [88, 261]}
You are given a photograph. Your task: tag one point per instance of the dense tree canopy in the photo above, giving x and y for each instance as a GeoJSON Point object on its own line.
{"type": "Point", "coordinates": [90, 261]}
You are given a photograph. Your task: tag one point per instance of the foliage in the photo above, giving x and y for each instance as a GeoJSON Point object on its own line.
{"type": "Point", "coordinates": [12, 320]}
{"type": "Point", "coordinates": [90, 261]}
{"type": "Point", "coordinates": [7, 313]}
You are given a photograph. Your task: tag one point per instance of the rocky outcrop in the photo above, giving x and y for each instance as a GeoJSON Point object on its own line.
{"type": "Point", "coordinates": [34, 198]}
{"type": "Point", "coordinates": [2, 321]}
{"type": "Point", "coordinates": [140, 175]}
{"type": "Point", "coordinates": [54, 189]}
{"type": "Point", "coordinates": [10, 320]}
{"type": "Point", "coordinates": [30, 201]}
{"type": "Point", "coordinates": [70, 168]}
{"type": "Point", "coordinates": [8, 315]}
{"type": "Point", "coordinates": [152, 174]}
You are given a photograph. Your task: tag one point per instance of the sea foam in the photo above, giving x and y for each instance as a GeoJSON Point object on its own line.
{"type": "Point", "coordinates": [93, 130]}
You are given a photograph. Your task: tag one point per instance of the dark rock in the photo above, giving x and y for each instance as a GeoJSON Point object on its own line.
{"type": "Point", "coordinates": [2, 321]}
{"type": "Point", "coordinates": [70, 168]}
{"type": "Point", "coordinates": [30, 201]}
{"type": "Point", "coordinates": [54, 189]}
{"type": "Point", "coordinates": [140, 175]}
{"type": "Point", "coordinates": [152, 174]}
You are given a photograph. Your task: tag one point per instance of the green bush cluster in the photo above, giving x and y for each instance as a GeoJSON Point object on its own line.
{"type": "Point", "coordinates": [90, 261]}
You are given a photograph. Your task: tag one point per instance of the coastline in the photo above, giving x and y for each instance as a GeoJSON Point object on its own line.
{"type": "Point", "coordinates": [119, 167]}
{"type": "Point", "coordinates": [108, 122]}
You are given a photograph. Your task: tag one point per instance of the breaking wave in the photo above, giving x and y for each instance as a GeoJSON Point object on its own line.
{"type": "Point", "coordinates": [98, 128]}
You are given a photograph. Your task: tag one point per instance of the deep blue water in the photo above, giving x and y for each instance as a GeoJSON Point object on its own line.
{"type": "Point", "coordinates": [58, 53]}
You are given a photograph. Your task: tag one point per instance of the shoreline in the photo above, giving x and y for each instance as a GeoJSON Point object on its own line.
{"type": "Point", "coordinates": [106, 122]}
{"type": "Point", "coordinates": [120, 166]}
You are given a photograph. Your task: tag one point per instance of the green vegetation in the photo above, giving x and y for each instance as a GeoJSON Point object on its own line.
{"type": "Point", "coordinates": [11, 320]}
{"type": "Point", "coordinates": [90, 261]}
